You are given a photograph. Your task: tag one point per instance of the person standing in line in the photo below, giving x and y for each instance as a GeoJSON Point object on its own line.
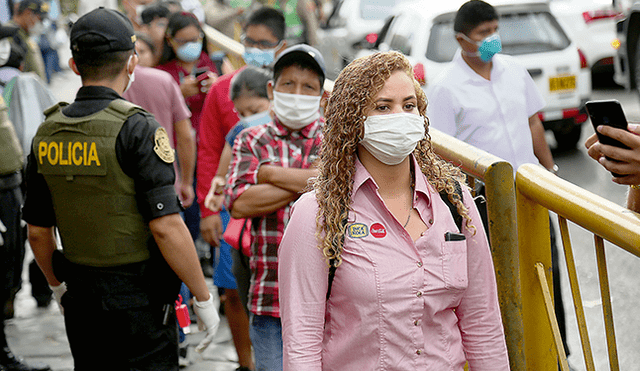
{"type": "Point", "coordinates": [263, 39]}
{"type": "Point", "coordinates": [157, 92]}
{"type": "Point", "coordinates": [154, 24]}
{"type": "Point", "coordinates": [270, 167]}
{"type": "Point", "coordinates": [249, 96]}
{"type": "Point", "coordinates": [490, 101]}
{"type": "Point", "coordinates": [412, 289]}
{"type": "Point", "coordinates": [625, 162]}
{"type": "Point", "coordinates": [12, 242]}
{"type": "Point", "coordinates": [101, 172]}
{"type": "Point", "coordinates": [28, 18]}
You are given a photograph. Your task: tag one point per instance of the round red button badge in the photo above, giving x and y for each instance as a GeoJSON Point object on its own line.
{"type": "Point", "coordinates": [377, 230]}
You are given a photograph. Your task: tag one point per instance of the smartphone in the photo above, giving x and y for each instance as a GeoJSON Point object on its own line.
{"type": "Point", "coordinates": [607, 112]}
{"type": "Point", "coordinates": [201, 75]}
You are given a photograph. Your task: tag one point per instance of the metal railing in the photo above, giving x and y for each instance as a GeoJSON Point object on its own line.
{"type": "Point", "coordinates": [537, 192]}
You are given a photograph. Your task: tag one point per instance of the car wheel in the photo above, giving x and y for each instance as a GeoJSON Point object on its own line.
{"type": "Point", "coordinates": [568, 140]}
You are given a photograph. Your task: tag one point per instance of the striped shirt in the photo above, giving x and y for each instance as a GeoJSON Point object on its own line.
{"type": "Point", "coordinates": [269, 144]}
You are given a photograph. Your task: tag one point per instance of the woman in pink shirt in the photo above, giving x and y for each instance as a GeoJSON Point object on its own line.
{"type": "Point", "coordinates": [411, 291]}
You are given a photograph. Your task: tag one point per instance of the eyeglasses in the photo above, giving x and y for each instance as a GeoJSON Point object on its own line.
{"type": "Point", "coordinates": [261, 44]}
{"type": "Point", "coordinates": [181, 42]}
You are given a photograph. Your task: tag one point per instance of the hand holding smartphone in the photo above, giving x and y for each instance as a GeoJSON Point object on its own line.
{"type": "Point", "coordinates": [607, 112]}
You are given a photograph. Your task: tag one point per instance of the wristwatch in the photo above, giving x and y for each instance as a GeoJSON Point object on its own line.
{"type": "Point", "coordinates": [635, 186]}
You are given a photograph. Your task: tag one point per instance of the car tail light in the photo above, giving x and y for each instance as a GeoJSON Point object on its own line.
{"type": "Point", "coordinates": [594, 15]}
{"type": "Point", "coordinates": [569, 113]}
{"type": "Point", "coordinates": [583, 60]}
{"type": "Point", "coordinates": [372, 38]}
{"type": "Point", "coordinates": [418, 73]}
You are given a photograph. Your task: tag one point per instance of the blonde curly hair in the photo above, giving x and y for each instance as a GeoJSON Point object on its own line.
{"type": "Point", "coordinates": [353, 94]}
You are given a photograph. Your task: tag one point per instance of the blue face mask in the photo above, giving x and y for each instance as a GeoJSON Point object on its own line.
{"type": "Point", "coordinates": [258, 57]}
{"type": "Point", "coordinates": [190, 52]}
{"type": "Point", "coordinates": [256, 119]}
{"type": "Point", "coordinates": [487, 48]}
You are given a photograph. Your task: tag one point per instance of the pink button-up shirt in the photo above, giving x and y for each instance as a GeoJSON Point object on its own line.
{"type": "Point", "coordinates": [395, 304]}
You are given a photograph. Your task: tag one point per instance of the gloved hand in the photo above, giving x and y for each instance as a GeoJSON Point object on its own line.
{"type": "Point", "coordinates": [2, 230]}
{"type": "Point", "coordinates": [208, 319]}
{"type": "Point", "coordinates": [58, 291]}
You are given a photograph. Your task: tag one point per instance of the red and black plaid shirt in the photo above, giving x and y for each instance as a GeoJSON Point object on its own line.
{"type": "Point", "coordinates": [270, 144]}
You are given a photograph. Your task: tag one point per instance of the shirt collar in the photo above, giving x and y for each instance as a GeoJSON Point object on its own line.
{"type": "Point", "coordinates": [309, 131]}
{"type": "Point", "coordinates": [362, 176]}
{"type": "Point", "coordinates": [96, 92]}
{"type": "Point", "coordinates": [470, 74]}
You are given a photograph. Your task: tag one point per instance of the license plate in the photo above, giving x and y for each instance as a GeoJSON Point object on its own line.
{"type": "Point", "coordinates": [562, 83]}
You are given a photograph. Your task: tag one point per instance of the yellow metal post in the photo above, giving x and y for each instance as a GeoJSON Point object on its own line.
{"type": "Point", "coordinates": [551, 315]}
{"type": "Point", "coordinates": [535, 247]}
{"type": "Point", "coordinates": [577, 298]}
{"type": "Point", "coordinates": [606, 304]}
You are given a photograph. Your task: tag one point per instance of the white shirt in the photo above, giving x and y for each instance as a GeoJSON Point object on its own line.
{"type": "Point", "coordinates": [492, 115]}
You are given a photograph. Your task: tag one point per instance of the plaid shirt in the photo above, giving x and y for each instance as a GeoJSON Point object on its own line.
{"type": "Point", "coordinates": [271, 144]}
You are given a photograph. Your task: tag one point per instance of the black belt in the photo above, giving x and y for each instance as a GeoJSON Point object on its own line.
{"type": "Point", "coordinates": [10, 181]}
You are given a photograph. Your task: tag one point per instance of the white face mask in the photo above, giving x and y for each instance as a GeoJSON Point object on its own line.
{"type": "Point", "coordinates": [296, 111]}
{"type": "Point", "coordinates": [37, 29]}
{"type": "Point", "coordinates": [391, 138]}
{"type": "Point", "coordinates": [132, 77]}
{"type": "Point", "coordinates": [5, 50]}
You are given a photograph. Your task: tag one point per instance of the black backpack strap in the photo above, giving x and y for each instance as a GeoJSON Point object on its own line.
{"type": "Point", "coordinates": [452, 208]}
{"type": "Point", "coordinates": [333, 265]}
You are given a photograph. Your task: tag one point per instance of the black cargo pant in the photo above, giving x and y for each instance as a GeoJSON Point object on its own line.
{"type": "Point", "coordinates": [12, 249]}
{"type": "Point", "coordinates": [113, 324]}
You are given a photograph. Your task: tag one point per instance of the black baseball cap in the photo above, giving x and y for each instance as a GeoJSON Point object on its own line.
{"type": "Point", "coordinates": [39, 7]}
{"type": "Point", "coordinates": [301, 53]}
{"type": "Point", "coordinates": [109, 31]}
{"type": "Point", "coordinates": [8, 31]}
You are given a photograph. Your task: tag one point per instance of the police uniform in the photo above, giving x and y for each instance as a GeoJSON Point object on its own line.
{"type": "Point", "coordinates": [100, 169]}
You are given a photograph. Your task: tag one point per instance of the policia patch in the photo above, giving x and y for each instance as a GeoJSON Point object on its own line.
{"type": "Point", "coordinates": [162, 147]}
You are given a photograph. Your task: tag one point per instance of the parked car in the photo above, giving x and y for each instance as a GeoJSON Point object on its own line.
{"type": "Point", "coordinates": [591, 26]}
{"type": "Point", "coordinates": [424, 32]}
{"type": "Point", "coordinates": [353, 25]}
{"type": "Point", "coordinates": [627, 58]}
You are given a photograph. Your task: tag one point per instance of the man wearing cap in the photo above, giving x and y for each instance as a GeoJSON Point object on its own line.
{"type": "Point", "coordinates": [101, 172]}
{"type": "Point", "coordinates": [270, 167]}
{"type": "Point", "coordinates": [28, 18]}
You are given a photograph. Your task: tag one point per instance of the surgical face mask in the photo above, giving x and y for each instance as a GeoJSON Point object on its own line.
{"type": "Point", "coordinates": [296, 111]}
{"type": "Point", "coordinates": [259, 57]}
{"type": "Point", "coordinates": [132, 77]}
{"type": "Point", "coordinates": [488, 47]}
{"type": "Point", "coordinates": [391, 138]}
{"type": "Point", "coordinates": [5, 51]}
{"type": "Point", "coordinates": [189, 52]}
{"type": "Point", "coordinates": [259, 118]}
{"type": "Point", "coordinates": [37, 29]}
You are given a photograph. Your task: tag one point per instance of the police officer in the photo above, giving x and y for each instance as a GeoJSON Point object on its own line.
{"type": "Point", "coordinates": [100, 170]}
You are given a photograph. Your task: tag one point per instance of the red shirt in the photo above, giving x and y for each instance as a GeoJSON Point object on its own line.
{"type": "Point", "coordinates": [218, 117]}
{"type": "Point", "coordinates": [195, 102]}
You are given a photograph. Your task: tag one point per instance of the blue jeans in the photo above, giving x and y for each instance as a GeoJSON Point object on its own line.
{"type": "Point", "coordinates": [266, 336]}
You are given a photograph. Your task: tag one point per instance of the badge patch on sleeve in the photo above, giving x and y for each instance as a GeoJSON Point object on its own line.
{"type": "Point", "coordinates": [162, 147]}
